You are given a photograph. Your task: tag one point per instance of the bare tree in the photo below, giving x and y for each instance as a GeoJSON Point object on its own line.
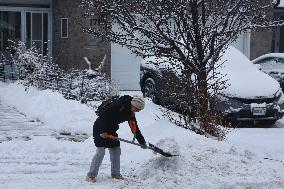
{"type": "Point", "coordinates": [191, 32]}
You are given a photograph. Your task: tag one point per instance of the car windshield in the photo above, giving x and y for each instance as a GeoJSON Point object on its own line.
{"type": "Point", "coordinates": [281, 60]}
{"type": "Point", "coordinates": [272, 65]}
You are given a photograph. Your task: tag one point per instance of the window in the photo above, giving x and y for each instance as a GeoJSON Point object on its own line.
{"type": "Point", "coordinates": [10, 28]}
{"type": "Point", "coordinates": [64, 27]}
{"type": "Point", "coordinates": [268, 65]}
{"type": "Point", "coordinates": [280, 60]}
{"type": "Point", "coordinates": [37, 31]}
{"type": "Point", "coordinates": [268, 60]}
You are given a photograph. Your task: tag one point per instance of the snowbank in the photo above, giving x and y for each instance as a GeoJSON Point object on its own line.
{"type": "Point", "coordinates": [49, 107]}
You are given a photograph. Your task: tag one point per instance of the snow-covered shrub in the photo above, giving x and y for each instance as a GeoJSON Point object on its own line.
{"type": "Point", "coordinates": [39, 71]}
{"type": "Point", "coordinates": [87, 87]}
{"type": "Point", "coordinates": [25, 59]}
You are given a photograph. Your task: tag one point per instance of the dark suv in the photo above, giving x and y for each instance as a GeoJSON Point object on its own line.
{"type": "Point", "coordinates": [251, 96]}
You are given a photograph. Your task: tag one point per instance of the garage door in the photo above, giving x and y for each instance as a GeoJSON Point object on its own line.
{"type": "Point", "coordinates": [125, 68]}
{"type": "Point", "coordinates": [243, 44]}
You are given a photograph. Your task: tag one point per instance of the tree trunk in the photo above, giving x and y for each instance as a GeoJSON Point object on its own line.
{"type": "Point", "coordinates": [203, 101]}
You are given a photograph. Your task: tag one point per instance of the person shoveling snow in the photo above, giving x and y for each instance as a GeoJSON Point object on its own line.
{"type": "Point", "coordinates": [111, 114]}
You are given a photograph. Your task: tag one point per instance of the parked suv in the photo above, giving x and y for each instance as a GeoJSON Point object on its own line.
{"type": "Point", "coordinates": [251, 96]}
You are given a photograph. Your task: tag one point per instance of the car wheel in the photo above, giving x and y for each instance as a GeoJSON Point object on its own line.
{"type": "Point", "coordinates": [150, 90]}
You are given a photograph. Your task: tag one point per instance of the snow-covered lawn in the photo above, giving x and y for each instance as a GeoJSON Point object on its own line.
{"type": "Point", "coordinates": [45, 162]}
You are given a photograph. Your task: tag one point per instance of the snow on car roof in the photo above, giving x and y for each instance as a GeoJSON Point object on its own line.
{"type": "Point", "coordinates": [245, 79]}
{"type": "Point", "coordinates": [157, 63]}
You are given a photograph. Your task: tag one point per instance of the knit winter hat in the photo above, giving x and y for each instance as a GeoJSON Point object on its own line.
{"type": "Point", "coordinates": [138, 102]}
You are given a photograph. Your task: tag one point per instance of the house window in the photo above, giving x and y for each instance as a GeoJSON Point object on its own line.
{"type": "Point", "coordinates": [64, 27]}
{"type": "Point", "coordinates": [10, 28]}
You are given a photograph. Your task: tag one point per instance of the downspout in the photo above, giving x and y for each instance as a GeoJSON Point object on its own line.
{"type": "Point", "coordinates": [50, 31]}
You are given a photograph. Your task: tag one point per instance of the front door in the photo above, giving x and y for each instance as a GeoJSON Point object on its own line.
{"type": "Point", "coordinates": [37, 30]}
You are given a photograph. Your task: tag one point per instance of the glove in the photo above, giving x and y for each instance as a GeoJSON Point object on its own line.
{"type": "Point", "coordinates": [106, 136]}
{"type": "Point", "coordinates": [144, 146]}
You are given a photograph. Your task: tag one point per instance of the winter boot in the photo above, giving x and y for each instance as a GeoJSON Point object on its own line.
{"type": "Point", "coordinates": [90, 179]}
{"type": "Point", "coordinates": [119, 177]}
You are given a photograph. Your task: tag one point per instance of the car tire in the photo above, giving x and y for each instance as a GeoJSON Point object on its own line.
{"type": "Point", "coordinates": [149, 90]}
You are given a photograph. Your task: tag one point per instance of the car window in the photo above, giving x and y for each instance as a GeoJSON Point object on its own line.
{"type": "Point", "coordinates": [267, 61]}
{"type": "Point", "coordinates": [280, 60]}
{"type": "Point", "coordinates": [269, 64]}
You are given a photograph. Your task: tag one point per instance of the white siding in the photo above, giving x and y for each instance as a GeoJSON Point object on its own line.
{"type": "Point", "coordinates": [243, 44]}
{"type": "Point", "coordinates": [281, 4]}
{"type": "Point", "coordinates": [125, 68]}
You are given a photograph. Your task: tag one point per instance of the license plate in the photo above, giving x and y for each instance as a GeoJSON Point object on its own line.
{"type": "Point", "coordinates": [259, 111]}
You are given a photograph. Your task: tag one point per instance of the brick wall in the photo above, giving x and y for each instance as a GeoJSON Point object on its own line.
{"type": "Point", "coordinates": [70, 52]}
{"type": "Point", "coordinates": [261, 42]}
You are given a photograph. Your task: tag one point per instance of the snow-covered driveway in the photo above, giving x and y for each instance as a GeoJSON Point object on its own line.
{"type": "Point", "coordinates": [46, 162]}
{"type": "Point", "coordinates": [15, 125]}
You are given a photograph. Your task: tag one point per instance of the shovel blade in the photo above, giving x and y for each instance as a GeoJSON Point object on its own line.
{"type": "Point", "coordinates": [160, 151]}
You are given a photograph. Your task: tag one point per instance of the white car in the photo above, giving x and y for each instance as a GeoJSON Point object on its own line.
{"type": "Point", "coordinates": [273, 65]}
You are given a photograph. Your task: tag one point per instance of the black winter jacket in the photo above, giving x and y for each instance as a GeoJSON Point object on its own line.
{"type": "Point", "coordinates": [117, 112]}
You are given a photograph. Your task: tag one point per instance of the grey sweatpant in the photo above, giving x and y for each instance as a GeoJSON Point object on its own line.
{"type": "Point", "coordinates": [98, 158]}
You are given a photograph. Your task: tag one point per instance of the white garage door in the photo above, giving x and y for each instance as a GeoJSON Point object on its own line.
{"type": "Point", "coordinates": [125, 68]}
{"type": "Point", "coordinates": [243, 44]}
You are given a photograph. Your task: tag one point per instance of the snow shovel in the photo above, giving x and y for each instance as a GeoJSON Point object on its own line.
{"type": "Point", "coordinates": [150, 146]}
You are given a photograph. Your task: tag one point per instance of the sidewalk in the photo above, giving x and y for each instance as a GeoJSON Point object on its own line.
{"type": "Point", "coordinates": [16, 126]}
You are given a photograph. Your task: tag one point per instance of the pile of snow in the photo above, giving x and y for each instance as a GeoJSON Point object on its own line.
{"type": "Point", "coordinates": [49, 107]}
{"type": "Point", "coordinates": [45, 162]}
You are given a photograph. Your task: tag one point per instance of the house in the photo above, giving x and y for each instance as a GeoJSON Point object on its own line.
{"type": "Point", "coordinates": [271, 40]}
{"type": "Point", "coordinates": [30, 22]}
{"type": "Point", "coordinates": [54, 26]}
